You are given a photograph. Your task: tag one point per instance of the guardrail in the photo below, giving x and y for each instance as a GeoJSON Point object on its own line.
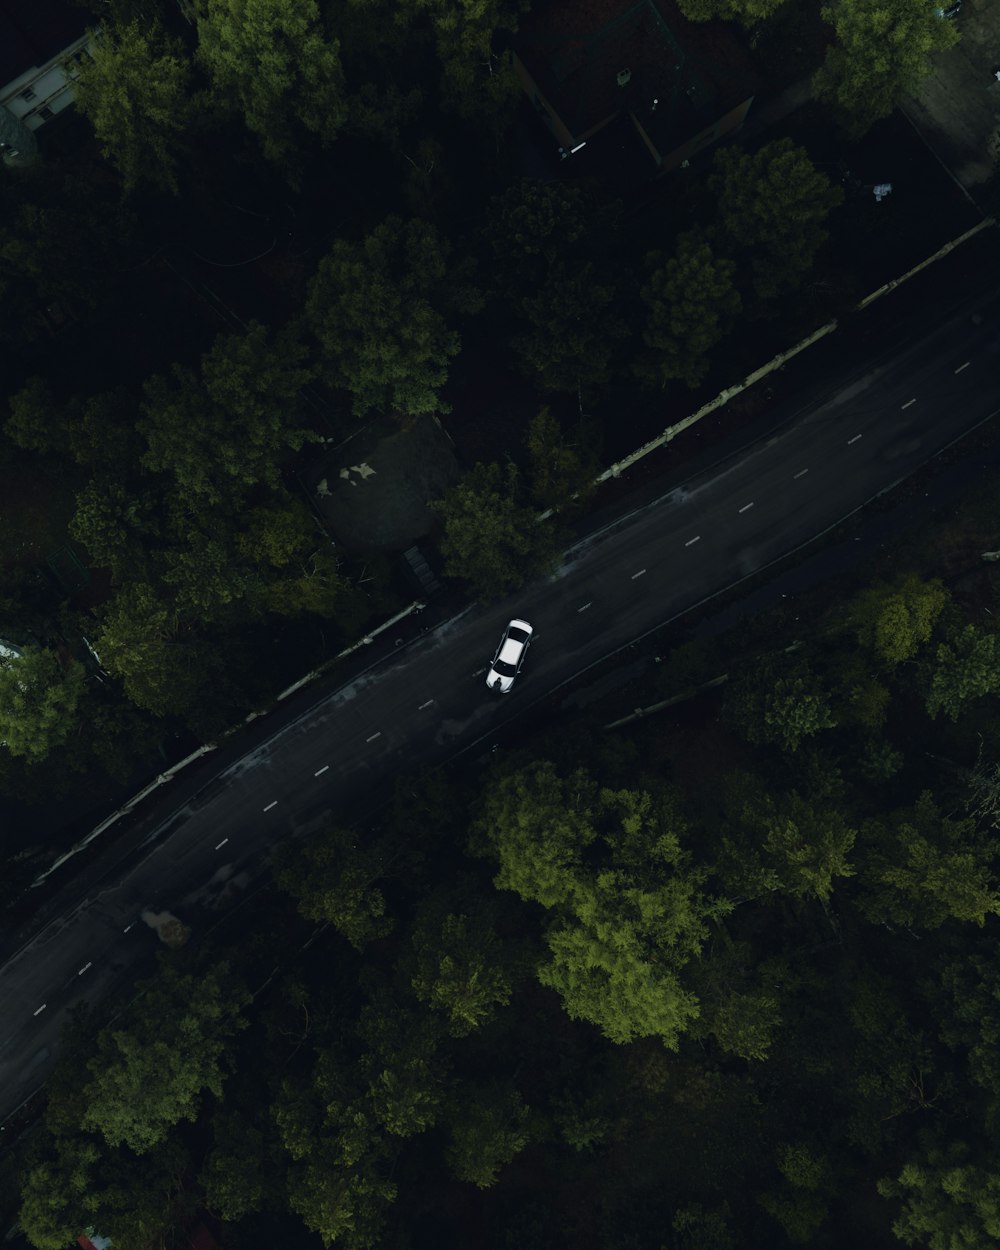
{"type": "Point", "coordinates": [169, 773]}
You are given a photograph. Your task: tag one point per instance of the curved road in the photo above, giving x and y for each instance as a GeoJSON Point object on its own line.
{"type": "Point", "coordinates": [430, 702]}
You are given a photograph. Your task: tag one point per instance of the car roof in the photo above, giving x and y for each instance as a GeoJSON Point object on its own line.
{"type": "Point", "coordinates": [510, 650]}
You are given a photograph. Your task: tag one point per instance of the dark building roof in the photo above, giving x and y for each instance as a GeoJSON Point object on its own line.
{"type": "Point", "coordinates": [576, 49]}
{"type": "Point", "coordinates": [34, 31]}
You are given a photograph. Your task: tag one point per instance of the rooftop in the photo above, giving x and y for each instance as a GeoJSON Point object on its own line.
{"type": "Point", "coordinates": [32, 33]}
{"type": "Point", "coordinates": [595, 58]}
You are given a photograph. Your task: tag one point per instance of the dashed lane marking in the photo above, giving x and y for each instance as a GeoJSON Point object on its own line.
{"type": "Point", "coordinates": [639, 574]}
{"type": "Point", "coordinates": [423, 705]}
{"type": "Point", "coordinates": [853, 440]}
{"type": "Point", "coordinates": [84, 968]}
{"type": "Point", "coordinates": [747, 505]}
{"type": "Point", "coordinates": [801, 473]}
{"type": "Point", "coordinates": [270, 805]}
{"type": "Point", "coordinates": [965, 366]}
{"type": "Point", "coordinates": [222, 844]}
{"type": "Point", "coordinates": [40, 1010]}
{"type": "Point", "coordinates": [321, 770]}
{"type": "Point", "coordinates": [692, 540]}
{"type": "Point", "coordinates": [909, 403]}
{"type": "Point", "coordinates": [376, 734]}
{"type": "Point", "coordinates": [585, 606]}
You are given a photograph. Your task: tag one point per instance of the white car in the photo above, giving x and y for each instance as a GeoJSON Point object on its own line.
{"type": "Point", "coordinates": [509, 657]}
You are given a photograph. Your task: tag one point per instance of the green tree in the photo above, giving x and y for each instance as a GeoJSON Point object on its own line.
{"type": "Point", "coordinates": [37, 422]}
{"type": "Point", "coordinates": [139, 1202]}
{"type": "Point", "coordinates": [381, 112]}
{"type": "Point", "coordinates": [229, 430]}
{"type": "Point", "coordinates": [576, 327]}
{"type": "Point", "coordinates": [145, 1201]}
{"type": "Point", "coordinates": [311, 584]}
{"type": "Point", "coordinates": [277, 65]}
{"type": "Point", "coordinates": [489, 1126]}
{"type": "Point", "coordinates": [491, 538]}
{"type": "Point", "coordinates": [950, 1198]}
{"type": "Point", "coordinates": [102, 433]}
{"type": "Point", "coordinates": [119, 736]}
{"type": "Point", "coordinates": [238, 1175]}
{"type": "Point", "coordinates": [749, 12]}
{"type": "Point", "coordinates": [64, 234]}
{"type": "Point", "coordinates": [740, 1005]}
{"type": "Point", "coordinates": [337, 1181]}
{"type": "Point", "coordinates": [345, 1207]}
{"type": "Point", "coordinates": [333, 879]}
{"type": "Point", "coordinates": [801, 1202]}
{"type": "Point", "coordinates": [982, 799]}
{"type": "Point", "coordinates": [882, 52]}
{"type": "Point", "coordinates": [528, 226]}
{"type": "Point", "coordinates": [40, 702]}
{"type": "Point", "coordinates": [136, 93]}
{"type": "Point", "coordinates": [858, 697]}
{"type": "Point", "coordinates": [53, 1196]}
{"type": "Point", "coordinates": [538, 825]}
{"type": "Point", "coordinates": [922, 868]}
{"type": "Point", "coordinates": [376, 308]}
{"type": "Point", "coordinates": [141, 640]}
{"type": "Point", "coordinates": [805, 845]}
{"type": "Point", "coordinates": [778, 702]}
{"type": "Point", "coordinates": [963, 669]}
{"type": "Point", "coordinates": [624, 921]}
{"type": "Point", "coordinates": [405, 1074]}
{"type": "Point", "coordinates": [115, 526]}
{"type": "Point", "coordinates": [690, 304]}
{"type": "Point", "coordinates": [894, 619]}
{"type": "Point", "coordinates": [891, 1062]}
{"type": "Point", "coordinates": [562, 466]}
{"type": "Point", "coordinates": [206, 581]}
{"type": "Point", "coordinates": [772, 205]}
{"type": "Point", "coordinates": [150, 1074]}
{"type": "Point", "coordinates": [477, 83]}
{"type": "Point", "coordinates": [698, 1229]}
{"type": "Point", "coordinates": [458, 968]}
{"type": "Point", "coordinates": [966, 1005]}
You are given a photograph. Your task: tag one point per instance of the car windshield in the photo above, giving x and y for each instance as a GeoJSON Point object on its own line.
{"type": "Point", "coordinates": [503, 668]}
{"type": "Point", "coordinates": [518, 635]}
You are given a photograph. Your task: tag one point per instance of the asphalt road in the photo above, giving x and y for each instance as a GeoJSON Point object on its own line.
{"type": "Point", "coordinates": [429, 702]}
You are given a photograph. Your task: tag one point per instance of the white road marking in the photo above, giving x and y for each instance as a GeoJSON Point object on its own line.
{"type": "Point", "coordinates": [909, 402]}
{"type": "Point", "coordinates": [40, 1010]}
{"type": "Point", "coordinates": [222, 844]}
{"type": "Point", "coordinates": [965, 366]}
{"type": "Point", "coordinates": [585, 606]}
{"type": "Point", "coordinates": [692, 540]}
{"type": "Point", "coordinates": [84, 968]}
{"type": "Point", "coordinates": [423, 705]}
{"type": "Point", "coordinates": [801, 473]}
{"type": "Point", "coordinates": [270, 805]}
{"type": "Point", "coordinates": [747, 505]}
{"type": "Point", "coordinates": [376, 734]}
{"type": "Point", "coordinates": [853, 440]}
{"type": "Point", "coordinates": [639, 574]}
{"type": "Point", "coordinates": [130, 926]}
{"type": "Point", "coordinates": [321, 770]}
